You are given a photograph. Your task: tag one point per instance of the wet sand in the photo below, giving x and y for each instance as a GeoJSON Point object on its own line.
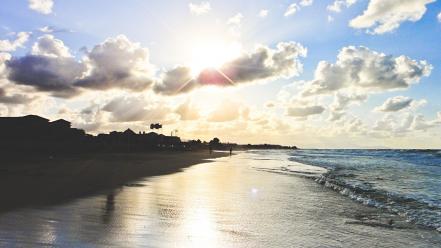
{"type": "Point", "coordinates": [27, 181]}
{"type": "Point", "coordinates": [226, 203]}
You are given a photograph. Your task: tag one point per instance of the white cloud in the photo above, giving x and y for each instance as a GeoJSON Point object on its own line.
{"type": "Point", "coordinates": [118, 63]}
{"type": "Point", "coordinates": [199, 9]}
{"type": "Point", "coordinates": [3, 58]}
{"type": "Point", "coordinates": [53, 29]}
{"type": "Point", "coordinates": [295, 7]}
{"type": "Point", "coordinates": [263, 13]}
{"type": "Point", "coordinates": [382, 16]}
{"type": "Point", "coordinates": [46, 29]}
{"type": "Point", "coordinates": [341, 102]}
{"type": "Point", "coordinates": [420, 123]}
{"type": "Point", "coordinates": [187, 111]}
{"type": "Point", "coordinates": [439, 17]}
{"type": "Point", "coordinates": [41, 6]}
{"type": "Point", "coordinates": [338, 5]}
{"type": "Point", "coordinates": [136, 108]}
{"type": "Point", "coordinates": [394, 104]}
{"type": "Point", "coordinates": [292, 9]}
{"type": "Point", "coordinates": [10, 46]}
{"type": "Point", "coordinates": [235, 20]}
{"type": "Point", "coordinates": [304, 111]}
{"type": "Point", "coordinates": [330, 18]}
{"type": "Point", "coordinates": [402, 124]}
{"type": "Point", "coordinates": [225, 112]}
{"type": "Point", "coordinates": [306, 2]}
{"type": "Point", "coordinates": [48, 45]}
{"type": "Point", "coordinates": [359, 68]}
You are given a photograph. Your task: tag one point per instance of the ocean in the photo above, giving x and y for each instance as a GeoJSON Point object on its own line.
{"type": "Point", "coordinates": [302, 198]}
{"type": "Point", "coordinates": [405, 182]}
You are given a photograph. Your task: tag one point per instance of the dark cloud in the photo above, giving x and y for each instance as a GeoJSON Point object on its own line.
{"type": "Point", "coordinates": [116, 63]}
{"type": "Point", "coordinates": [46, 73]}
{"type": "Point", "coordinates": [262, 64]}
{"type": "Point", "coordinates": [175, 81]}
{"type": "Point", "coordinates": [120, 63]}
{"type": "Point", "coordinates": [14, 98]}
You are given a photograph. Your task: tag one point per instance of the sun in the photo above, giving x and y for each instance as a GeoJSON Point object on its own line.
{"type": "Point", "coordinates": [212, 54]}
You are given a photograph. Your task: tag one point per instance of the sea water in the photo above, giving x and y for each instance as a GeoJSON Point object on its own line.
{"type": "Point", "coordinates": [405, 182]}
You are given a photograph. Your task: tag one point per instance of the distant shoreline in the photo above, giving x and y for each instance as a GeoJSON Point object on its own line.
{"type": "Point", "coordinates": [38, 181]}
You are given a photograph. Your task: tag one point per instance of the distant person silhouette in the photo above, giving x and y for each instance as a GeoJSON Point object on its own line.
{"type": "Point", "coordinates": [231, 151]}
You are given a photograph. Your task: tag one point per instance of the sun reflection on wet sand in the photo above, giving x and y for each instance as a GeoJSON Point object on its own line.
{"type": "Point", "coordinates": [227, 203]}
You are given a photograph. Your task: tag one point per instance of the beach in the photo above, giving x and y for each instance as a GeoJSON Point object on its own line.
{"type": "Point", "coordinates": [238, 201]}
{"type": "Point", "coordinates": [38, 181]}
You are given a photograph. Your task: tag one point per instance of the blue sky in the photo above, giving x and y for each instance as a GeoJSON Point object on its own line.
{"type": "Point", "coordinates": [171, 35]}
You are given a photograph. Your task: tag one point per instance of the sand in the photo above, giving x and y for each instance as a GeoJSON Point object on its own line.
{"type": "Point", "coordinates": [26, 182]}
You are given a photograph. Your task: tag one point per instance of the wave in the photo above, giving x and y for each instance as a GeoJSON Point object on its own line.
{"type": "Point", "coordinates": [424, 214]}
{"type": "Point", "coordinates": [403, 182]}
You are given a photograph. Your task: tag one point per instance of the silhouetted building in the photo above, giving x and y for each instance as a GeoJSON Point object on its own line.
{"type": "Point", "coordinates": [34, 134]}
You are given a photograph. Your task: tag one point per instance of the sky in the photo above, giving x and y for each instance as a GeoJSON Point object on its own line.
{"type": "Point", "coordinates": [315, 74]}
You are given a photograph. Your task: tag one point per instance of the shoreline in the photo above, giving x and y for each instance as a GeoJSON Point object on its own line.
{"type": "Point", "coordinates": [33, 182]}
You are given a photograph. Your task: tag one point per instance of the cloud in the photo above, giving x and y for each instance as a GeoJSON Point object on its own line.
{"type": "Point", "coordinates": [187, 111]}
{"type": "Point", "coordinates": [330, 18]}
{"type": "Point", "coordinates": [199, 9]}
{"type": "Point", "coordinates": [338, 5]}
{"type": "Point", "coordinates": [263, 63]}
{"type": "Point", "coordinates": [306, 2]}
{"type": "Point", "coordinates": [10, 46]}
{"type": "Point", "coordinates": [227, 111]}
{"type": "Point", "coordinates": [263, 13]}
{"type": "Point", "coordinates": [235, 20]}
{"type": "Point", "coordinates": [49, 68]}
{"type": "Point", "coordinates": [304, 111]}
{"type": "Point", "coordinates": [270, 104]}
{"type": "Point", "coordinates": [421, 124]}
{"type": "Point", "coordinates": [395, 104]}
{"type": "Point", "coordinates": [41, 6]}
{"type": "Point", "coordinates": [48, 45]}
{"type": "Point", "coordinates": [295, 7]}
{"type": "Point", "coordinates": [439, 17]}
{"type": "Point", "coordinates": [117, 63]}
{"type": "Point", "coordinates": [365, 70]}
{"type": "Point", "coordinates": [135, 108]}
{"type": "Point", "coordinates": [266, 63]}
{"type": "Point", "coordinates": [341, 102]}
{"type": "Point", "coordinates": [53, 29]}
{"type": "Point", "coordinates": [175, 81]}
{"type": "Point", "coordinates": [14, 98]}
{"type": "Point", "coordinates": [400, 125]}
{"type": "Point", "coordinates": [46, 29]}
{"type": "Point", "coordinates": [4, 57]}
{"type": "Point", "coordinates": [382, 16]}
{"type": "Point", "coordinates": [234, 23]}
{"type": "Point", "coordinates": [292, 9]}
